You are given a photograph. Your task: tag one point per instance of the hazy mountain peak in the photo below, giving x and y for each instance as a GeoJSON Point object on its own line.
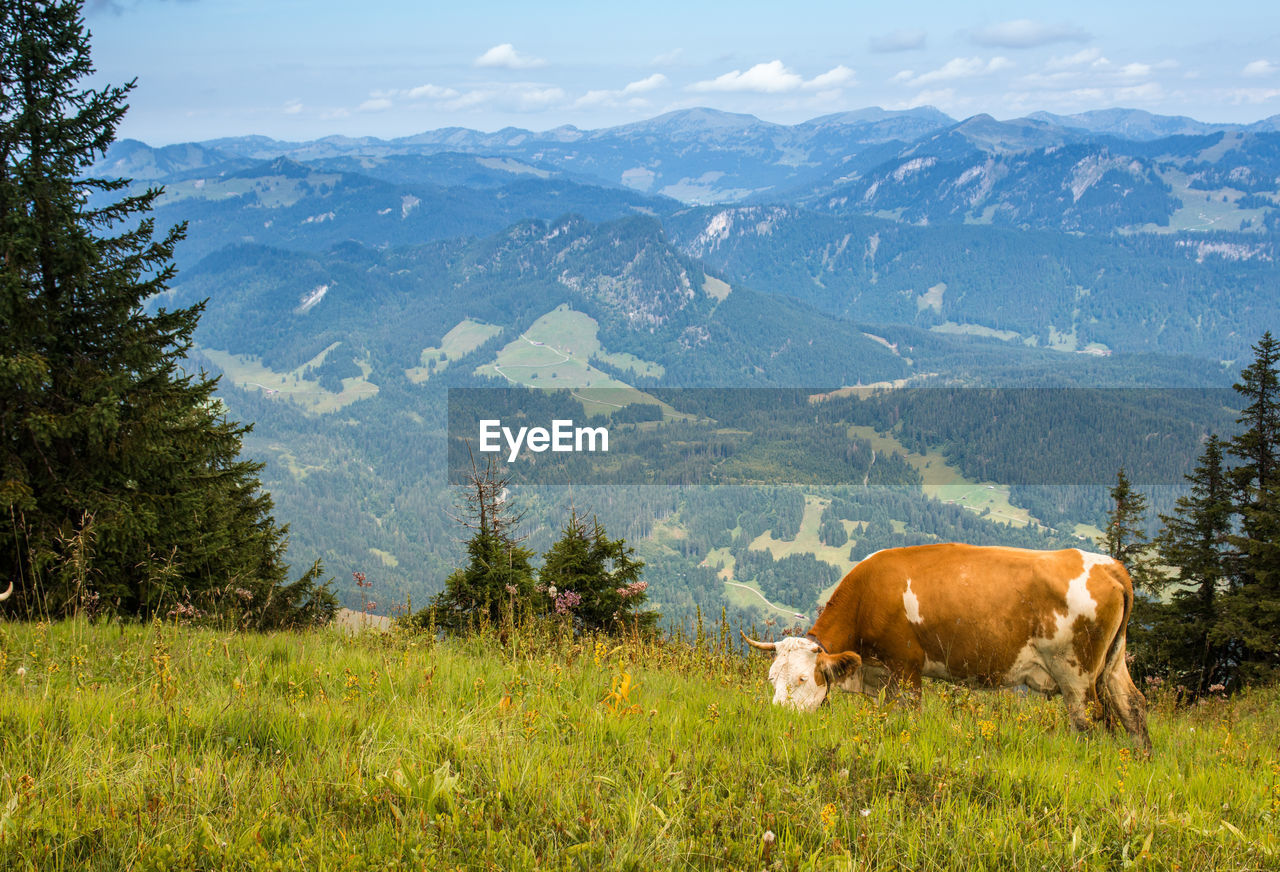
{"type": "Point", "coordinates": [1135, 124]}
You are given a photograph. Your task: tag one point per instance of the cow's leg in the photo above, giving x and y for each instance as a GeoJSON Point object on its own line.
{"type": "Point", "coordinates": [1077, 692]}
{"type": "Point", "coordinates": [1123, 700]}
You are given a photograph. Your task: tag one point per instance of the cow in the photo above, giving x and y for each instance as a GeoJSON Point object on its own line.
{"type": "Point", "coordinates": [1053, 621]}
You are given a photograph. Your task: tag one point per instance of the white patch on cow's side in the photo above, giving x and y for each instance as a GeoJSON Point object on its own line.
{"type": "Point", "coordinates": [1031, 666]}
{"type": "Point", "coordinates": [1079, 600]}
{"type": "Point", "coordinates": [911, 603]}
{"type": "Point", "coordinates": [1080, 603]}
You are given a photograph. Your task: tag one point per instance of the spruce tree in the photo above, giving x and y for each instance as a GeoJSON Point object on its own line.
{"type": "Point", "coordinates": [1252, 610]}
{"type": "Point", "coordinates": [595, 579]}
{"type": "Point", "coordinates": [120, 474]}
{"type": "Point", "coordinates": [497, 581]}
{"type": "Point", "coordinates": [1125, 537]}
{"type": "Point", "coordinates": [1185, 642]}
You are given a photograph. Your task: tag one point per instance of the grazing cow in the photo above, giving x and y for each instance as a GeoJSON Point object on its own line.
{"type": "Point", "coordinates": [1053, 621]}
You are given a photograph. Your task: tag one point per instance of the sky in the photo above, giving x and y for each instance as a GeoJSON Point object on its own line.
{"type": "Point", "coordinates": [302, 69]}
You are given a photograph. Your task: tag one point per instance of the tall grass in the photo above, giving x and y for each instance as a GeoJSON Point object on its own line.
{"type": "Point", "coordinates": [163, 747]}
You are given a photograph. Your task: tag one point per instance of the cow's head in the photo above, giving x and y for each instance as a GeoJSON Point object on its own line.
{"type": "Point", "coordinates": [802, 672]}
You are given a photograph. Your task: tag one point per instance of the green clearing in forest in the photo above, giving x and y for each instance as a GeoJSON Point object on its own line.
{"type": "Point", "coordinates": [464, 338]}
{"type": "Point", "coordinates": [251, 373]}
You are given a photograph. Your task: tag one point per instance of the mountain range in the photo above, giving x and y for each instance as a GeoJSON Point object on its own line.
{"type": "Point", "coordinates": [348, 282]}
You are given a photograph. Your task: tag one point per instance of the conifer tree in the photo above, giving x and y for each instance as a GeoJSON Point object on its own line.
{"type": "Point", "coordinates": [498, 578]}
{"type": "Point", "coordinates": [120, 474]}
{"type": "Point", "coordinates": [1125, 537]}
{"type": "Point", "coordinates": [595, 579]}
{"type": "Point", "coordinates": [1184, 640]}
{"type": "Point", "coordinates": [1252, 610]}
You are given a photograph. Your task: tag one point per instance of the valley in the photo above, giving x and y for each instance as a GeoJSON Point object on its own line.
{"type": "Point", "coordinates": [351, 285]}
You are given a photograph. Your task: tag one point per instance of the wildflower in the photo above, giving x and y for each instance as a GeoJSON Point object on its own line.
{"type": "Point", "coordinates": [567, 602]}
{"type": "Point", "coordinates": [828, 815]}
{"type": "Point", "coordinates": [245, 595]}
{"type": "Point", "coordinates": [22, 671]}
{"type": "Point", "coordinates": [511, 589]}
{"type": "Point", "coordinates": [767, 840]}
{"type": "Point", "coordinates": [866, 812]}
{"type": "Point", "coordinates": [635, 588]}
{"type": "Point", "coordinates": [1216, 688]}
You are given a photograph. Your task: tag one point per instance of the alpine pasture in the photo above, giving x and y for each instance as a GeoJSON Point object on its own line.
{"type": "Point", "coordinates": [158, 747]}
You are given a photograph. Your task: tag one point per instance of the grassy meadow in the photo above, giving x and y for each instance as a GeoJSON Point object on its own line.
{"type": "Point", "coordinates": [164, 747]}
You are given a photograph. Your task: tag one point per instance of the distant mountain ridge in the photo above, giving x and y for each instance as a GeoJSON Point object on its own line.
{"type": "Point", "coordinates": [1137, 170]}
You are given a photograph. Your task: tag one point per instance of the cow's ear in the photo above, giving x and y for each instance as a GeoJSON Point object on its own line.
{"type": "Point", "coordinates": [835, 668]}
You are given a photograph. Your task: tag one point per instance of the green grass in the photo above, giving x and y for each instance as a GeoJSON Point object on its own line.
{"type": "Point", "coordinates": [156, 748]}
{"type": "Point", "coordinates": [272, 191]}
{"type": "Point", "coordinates": [1203, 210]}
{"type": "Point", "coordinates": [464, 338]}
{"type": "Point", "coordinates": [251, 373]}
{"type": "Point", "coordinates": [554, 353]}
{"type": "Point", "coordinates": [806, 540]}
{"type": "Point", "coordinates": [944, 482]}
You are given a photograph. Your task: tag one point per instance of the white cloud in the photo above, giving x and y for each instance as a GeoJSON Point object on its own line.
{"type": "Point", "coordinates": [667, 58]}
{"type": "Point", "coordinates": [293, 107]}
{"type": "Point", "coordinates": [597, 98]}
{"type": "Point", "coordinates": [898, 40]}
{"type": "Point", "coordinates": [1253, 95]}
{"type": "Point", "coordinates": [956, 68]}
{"type": "Point", "coordinates": [626, 96]}
{"type": "Point", "coordinates": [1025, 33]}
{"type": "Point", "coordinates": [505, 55]}
{"type": "Point", "coordinates": [768, 78]}
{"type": "Point", "coordinates": [775, 77]}
{"type": "Point", "coordinates": [509, 96]}
{"type": "Point", "coordinates": [836, 77]}
{"type": "Point", "coordinates": [1135, 71]}
{"type": "Point", "coordinates": [374, 104]}
{"type": "Point", "coordinates": [1147, 92]}
{"type": "Point", "coordinates": [1086, 57]}
{"type": "Point", "coordinates": [430, 92]}
{"type": "Point", "coordinates": [538, 98]}
{"type": "Point", "coordinates": [1258, 68]}
{"type": "Point", "coordinates": [649, 83]}
{"type": "Point", "coordinates": [930, 97]}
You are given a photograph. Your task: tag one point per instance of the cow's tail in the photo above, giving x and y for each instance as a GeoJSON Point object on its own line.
{"type": "Point", "coordinates": [1121, 700]}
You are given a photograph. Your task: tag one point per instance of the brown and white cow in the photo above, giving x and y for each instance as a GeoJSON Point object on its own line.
{"type": "Point", "coordinates": [996, 617]}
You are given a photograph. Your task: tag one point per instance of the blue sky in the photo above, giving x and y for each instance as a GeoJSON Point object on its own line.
{"type": "Point", "coordinates": [300, 69]}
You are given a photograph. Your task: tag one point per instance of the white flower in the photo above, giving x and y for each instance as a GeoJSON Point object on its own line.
{"type": "Point", "coordinates": [22, 671]}
{"type": "Point", "coordinates": [866, 812]}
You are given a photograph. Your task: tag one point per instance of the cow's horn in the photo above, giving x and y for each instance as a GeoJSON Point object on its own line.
{"type": "Point", "coordinates": [763, 646]}
{"type": "Point", "coordinates": [8, 593]}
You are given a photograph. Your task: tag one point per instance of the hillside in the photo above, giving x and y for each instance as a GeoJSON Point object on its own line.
{"type": "Point", "coordinates": [164, 747]}
{"type": "Point", "coordinates": [351, 283]}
